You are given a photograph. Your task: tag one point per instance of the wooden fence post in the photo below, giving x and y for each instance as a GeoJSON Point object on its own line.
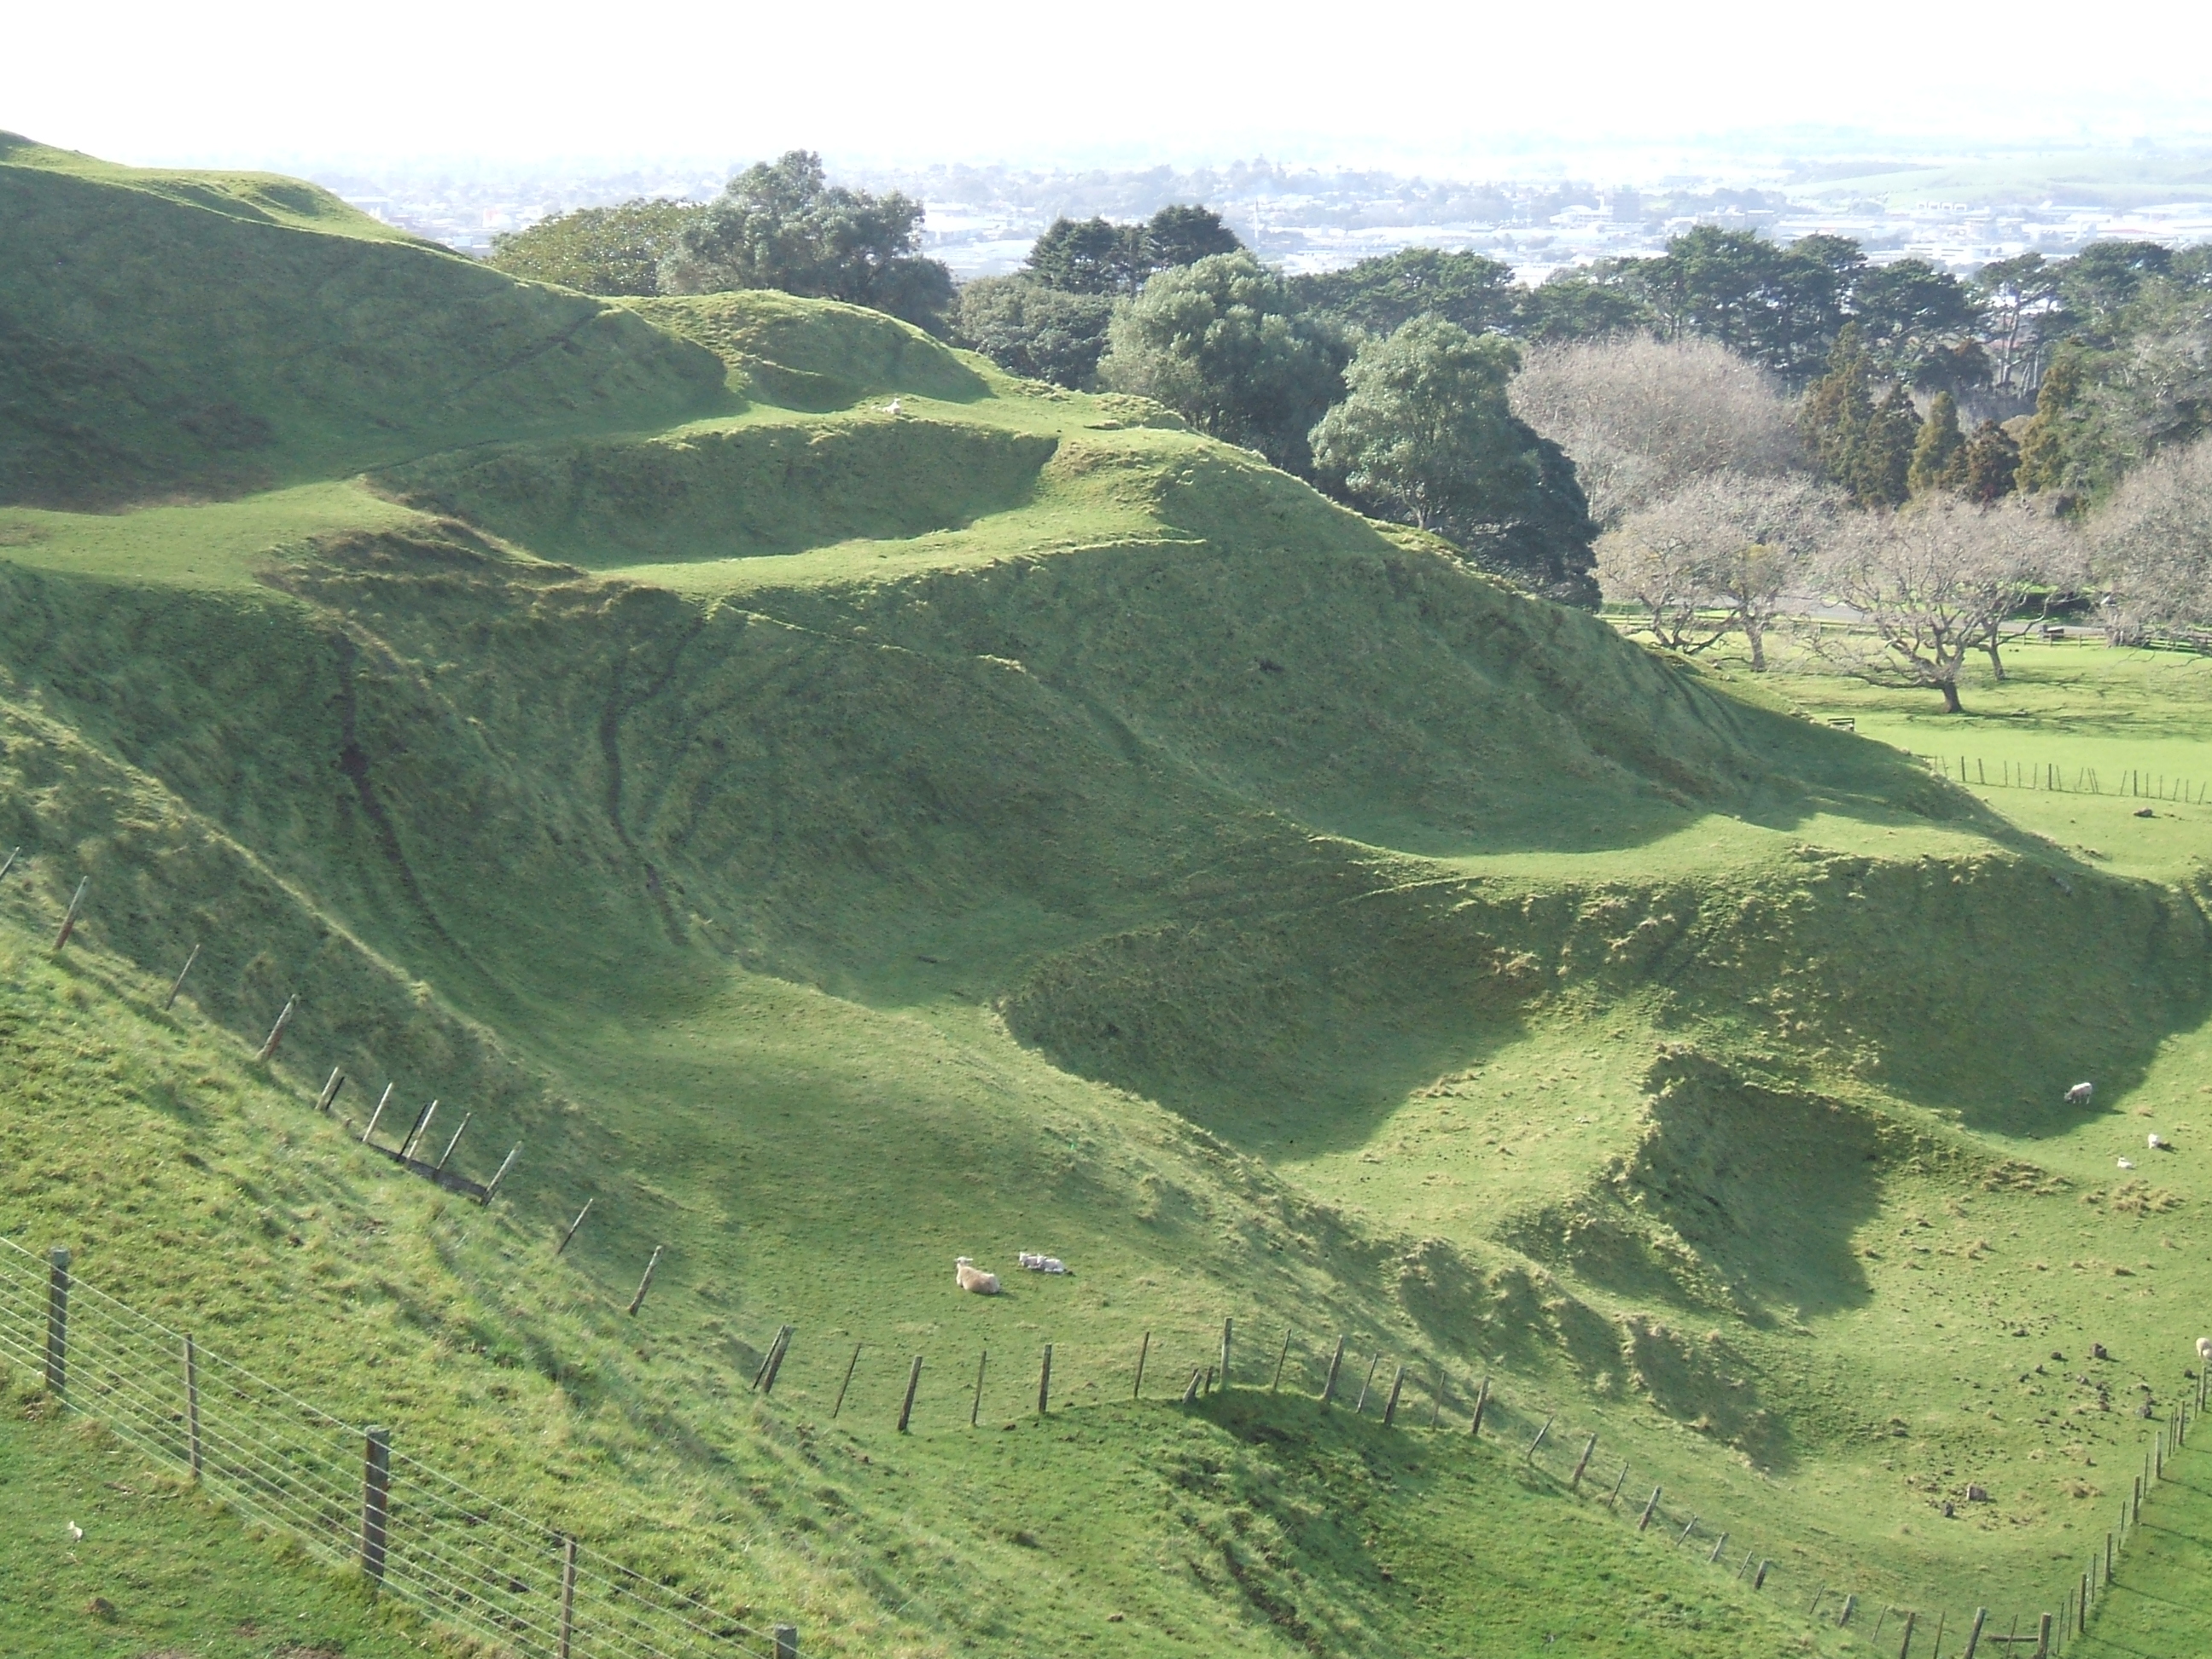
{"type": "Point", "coordinates": [1684, 1537]}
{"type": "Point", "coordinates": [850, 1365]}
{"type": "Point", "coordinates": [1758, 1578]}
{"type": "Point", "coordinates": [1044, 1383]}
{"type": "Point", "coordinates": [58, 1289]}
{"type": "Point", "coordinates": [787, 1642]}
{"type": "Point", "coordinates": [1190, 1393]}
{"type": "Point", "coordinates": [375, 1502]}
{"type": "Point", "coordinates": [1390, 1407]}
{"type": "Point", "coordinates": [1613, 1497]}
{"type": "Point", "coordinates": [913, 1382]}
{"type": "Point", "coordinates": [573, 1226]}
{"type": "Point", "coordinates": [455, 1141]}
{"type": "Point", "coordinates": [329, 1093]}
{"type": "Point", "coordinates": [568, 1629]}
{"type": "Point", "coordinates": [501, 1175]}
{"type": "Point", "coordinates": [414, 1129]}
{"type": "Point", "coordinates": [2043, 1636]}
{"type": "Point", "coordinates": [975, 1406]}
{"type": "Point", "coordinates": [1143, 1352]}
{"type": "Point", "coordinates": [1542, 1434]}
{"type": "Point", "coordinates": [1575, 1480]}
{"type": "Point", "coordinates": [1481, 1400]}
{"type": "Point", "coordinates": [1719, 1543]}
{"type": "Point", "coordinates": [652, 1262]}
{"type": "Point", "coordinates": [1280, 1359]}
{"type": "Point", "coordinates": [382, 1101]}
{"type": "Point", "coordinates": [769, 1358]}
{"type": "Point", "coordinates": [775, 1359]}
{"type": "Point", "coordinates": [1227, 1326]}
{"type": "Point", "coordinates": [170, 1001]}
{"type": "Point", "coordinates": [191, 1406]}
{"type": "Point", "coordinates": [1905, 1648]}
{"type": "Point", "coordinates": [1360, 1405]}
{"type": "Point", "coordinates": [276, 1032]}
{"type": "Point", "coordinates": [1974, 1634]}
{"type": "Point", "coordinates": [1328, 1388]}
{"type": "Point", "coordinates": [69, 916]}
{"type": "Point", "coordinates": [1653, 1504]}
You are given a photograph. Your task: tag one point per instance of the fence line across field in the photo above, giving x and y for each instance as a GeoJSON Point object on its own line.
{"type": "Point", "coordinates": [353, 1498]}
{"type": "Point", "coordinates": [346, 1493]}
{"type": "Point", "coordinates": [2132, 783]}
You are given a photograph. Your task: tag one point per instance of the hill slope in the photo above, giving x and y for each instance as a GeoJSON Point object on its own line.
{"type": "Point", "coordinates": [870, 810]}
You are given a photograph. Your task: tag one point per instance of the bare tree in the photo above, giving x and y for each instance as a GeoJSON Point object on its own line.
{"type": "Point", "coordinates": [1642, 417]}
{"type": "Point", "coordinates": [2152, 546]}
{"type": "Point", "coordinates": [1722, 543]}
{"type": "Point", "coordinates": [1932, 583]}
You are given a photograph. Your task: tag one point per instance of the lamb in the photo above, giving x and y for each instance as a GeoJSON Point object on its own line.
{"type": "Point", "coordinates": [2078, 1094]}
{"type": "Point", "coordinates": [1042, 1264]}
{"type": "Point", "coordinates": [970, 1277]}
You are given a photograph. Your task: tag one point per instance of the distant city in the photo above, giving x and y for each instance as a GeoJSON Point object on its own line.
{"type": "Point", "coordinates": [1959, 214]}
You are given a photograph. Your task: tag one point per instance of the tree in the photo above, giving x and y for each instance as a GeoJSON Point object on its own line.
{"type": "Point", "coordinates": [1030, 330]}
{"type": "Point", "coordinates": [1939, 454]}
{"type": "Point", "coordinates": [1992, 463]}
{"type": "Point", "coordinates": [1727, 544]}
{"type": "Point", "coordinates": [1907, 310]}
{"type": "Point", "coordinates": [2044, 464]}
{"type": "Point", "coordinates": [1224, 344]}
{"type": "Point", "coordinates": [782, 225]}
{"type": "Point", "coordinates": [2016, 296]}
{"type": "Point", "coordinates": [1642, 417]}
{"type": "Point", "coordinates": [1381, 294]}
{"type": "Point", "coordinates": [1574, 305]}
{"type": "Point", "coordinates": [1089, 256]}
{"type": "Point", "coordinates": [1881, 470]}
{"type": "Point", "coordinates": [1427, 434]}
{"type": "Point", "coordinates": [607, 250]}
{"type": "Point", "coordinates": [1839, 407]}
{"type": "Point", "coordinates": [1095, 256]}
{"type": "Point", "coordinates": [1782, 307]}
{"type": "Point", "coordinates": [2152, 545]}
{"type": "Point", "coordinates": [1930, 583]}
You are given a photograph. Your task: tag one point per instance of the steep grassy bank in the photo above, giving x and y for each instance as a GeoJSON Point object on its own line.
{"type": "Point", "coordinates": [830, 840]}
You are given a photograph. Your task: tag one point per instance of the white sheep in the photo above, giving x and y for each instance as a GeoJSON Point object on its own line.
{"type": "Point", "coordinates": [2204, 1349]}
{"type": "Point", "coordinates": [2127, 1163]}
{"type": "Point", "coordinates": [2078, 1094]}
{"type": "Point", "coordinates": [893, 407]}
{"type": "Point", "coordinates": [1042, 1264]}
{"type": "Point", "coordinates": [970, 1277]}
{"type": "Point", "coordinates": [2158, 1144]}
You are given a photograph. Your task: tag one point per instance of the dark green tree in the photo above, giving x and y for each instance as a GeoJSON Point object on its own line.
{"type": "Point", "coordinates": [782, 225]}
{"type": "Point", "coordinates": [1881, 469]}
{"type": "Point", "coordinates": [1939, 454]}
{"type": "Point", "coordinates": [1992, 463]}
{"type": "Point", "coordinates": [1839, 407]}
{"type": "Point", "coordinates": [1907, 309]}
{"type": "Point", "coordinates": [609, 250]}
{"type": "Point", "coordinates": [1225, 344]}
{"type": "Point", "coordinates": [1574, 305]}
{"type": "Point", "coordinates": [1182, 235]}
{"type": "Point", "coordinates": [1381, 294]}
{"type": "Point", "coordinates": [1089, 256]}
{"type": "Point", "coordinates": [1425, 434]}
{"type": "Point", "coordinates": [1040, 332]}
{"type": "Point", "coordinates": [2046, 463]}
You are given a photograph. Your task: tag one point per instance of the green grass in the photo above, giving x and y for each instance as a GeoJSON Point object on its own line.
{"type": "Point", "coordinates": [832, 841]}
{"type": "Point", "coordinates": [2155, 1603]}
{"type": "Point", "coordinates": [156, 1570]}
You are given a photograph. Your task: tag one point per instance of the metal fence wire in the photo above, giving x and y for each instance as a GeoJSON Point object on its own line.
{"type": "Point", "coordinates": [342, 1492]}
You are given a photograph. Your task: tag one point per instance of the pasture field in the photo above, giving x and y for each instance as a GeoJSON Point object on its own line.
{"type": "Point", "coordinates": [831, 838]}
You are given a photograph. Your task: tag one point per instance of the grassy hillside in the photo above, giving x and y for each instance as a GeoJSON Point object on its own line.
{"type": "Point", "coordinates": [831, 836]}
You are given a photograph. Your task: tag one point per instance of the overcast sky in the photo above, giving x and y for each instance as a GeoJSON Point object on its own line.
{"type": "Point", "coordinates": [1384, 82]}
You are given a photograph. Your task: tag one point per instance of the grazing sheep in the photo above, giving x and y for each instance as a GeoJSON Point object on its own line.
{"type": "Point", "coordinates": [1042, 1264]}
{"type": "Point", "coordinates": [970, 1277]}
{"type": "Point", "coordinates": [2078, 1094]}
{"type": "Point", "coordinates": [2204, 1349]}
{"type": "Point", "coordinates": [2160, 1144]}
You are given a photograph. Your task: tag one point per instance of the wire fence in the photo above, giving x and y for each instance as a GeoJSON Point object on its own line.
{"type": "Point", "coordinates": [527, 1591]}
{"type": "Point", "coordinates": [344, 1493]}
{"type": "Point", "coordinates": [2133, 783]}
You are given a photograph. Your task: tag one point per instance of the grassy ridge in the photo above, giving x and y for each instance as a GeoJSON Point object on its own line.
{"type": "Point", "coordinates": [832, 840]}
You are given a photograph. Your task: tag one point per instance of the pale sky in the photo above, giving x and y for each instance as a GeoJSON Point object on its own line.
{"type": "Point", "coordinates": [1385, 81]}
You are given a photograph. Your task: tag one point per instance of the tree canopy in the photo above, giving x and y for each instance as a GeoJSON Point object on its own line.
{"type": "Point", "coordinates": [1225, 344]}
{"type": "Point", "coordinates": [1096, 256]}
{"type": "Point", "coordinates": [1381, 294]}
{"type": "Point", "coordinates": [1427, 434]}
{"type": "Point", "coordinates": [1029, 328]}
{"type": "Point", "coordinates": [782, 225]}
{"type": "Point", "coordinates": [604, 250]}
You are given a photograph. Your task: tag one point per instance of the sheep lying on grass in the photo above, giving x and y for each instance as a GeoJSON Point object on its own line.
{"type": "Point", "coordinates": [2079, 1094]}
{"type": "Point", "coordinates": [1042, 1264]}
{"type": "Point", "coordinates": [970, 1277]}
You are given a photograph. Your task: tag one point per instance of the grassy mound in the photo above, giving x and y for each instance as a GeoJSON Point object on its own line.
{"type": "Point", "coordinates": [832, 841]}
{"type": "Point", "coordinates": [169, 334]}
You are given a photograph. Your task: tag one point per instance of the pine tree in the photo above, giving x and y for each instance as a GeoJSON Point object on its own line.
{"type": "Point", "coordinates": [1881, 464]}
{"type": "Point", "coordinates": [1992, 463]}
{"type": "Point", "coordinates": [2043, 448]}
{"type": "Point", "coordinates": [1939, 454]}
{"type": "Point", "coordinates": [1839, 406]}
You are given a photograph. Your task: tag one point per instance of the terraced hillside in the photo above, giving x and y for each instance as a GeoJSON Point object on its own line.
{"type": "Point", "coordinates": [837, 808]}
